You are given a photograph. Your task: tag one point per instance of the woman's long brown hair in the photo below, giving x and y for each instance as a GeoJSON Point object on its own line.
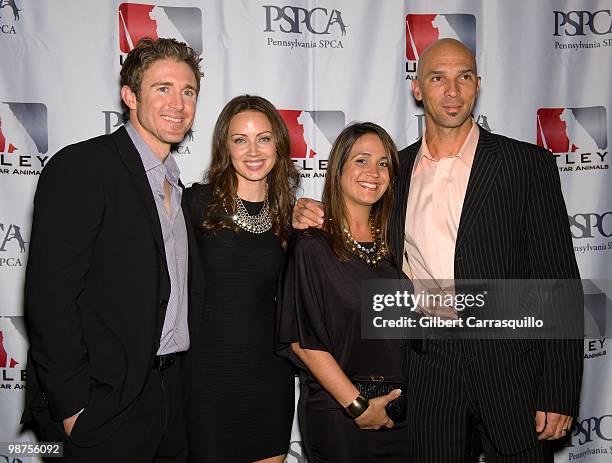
{"type": "Point", "coordinates": [282, 180]}
{"type": "Point", "coordinates": [335, 208]}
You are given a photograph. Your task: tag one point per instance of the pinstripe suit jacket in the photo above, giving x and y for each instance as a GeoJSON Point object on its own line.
{"type": "Point", "coordinates": [513, 225]}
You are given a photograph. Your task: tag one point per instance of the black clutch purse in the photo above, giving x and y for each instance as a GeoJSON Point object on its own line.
{"type": "Point", "coordinates": [377, 386]}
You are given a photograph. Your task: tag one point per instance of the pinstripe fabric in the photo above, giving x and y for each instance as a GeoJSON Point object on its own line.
{"type": "Point", "coordinates": [513, 226]}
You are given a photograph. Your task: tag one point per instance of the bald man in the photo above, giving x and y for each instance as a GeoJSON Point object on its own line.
{"type": "Point", "coordinates": [474, 205]}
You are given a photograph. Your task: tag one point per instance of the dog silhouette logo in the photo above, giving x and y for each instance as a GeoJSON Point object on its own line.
{"type": "Point", "coordinates": [424, 29]}
{"type": "Point", "coordinates": [13, 6]}
{"type": "Point", "coordinates": [312, 133]}
{"type": "Point", "coordinates": [569, 130]}
{"type": "Point", "coordinates": [23, 128]}
{"type": "Point", "coordinates": [13, 344]}
{"type": "Point", "coordinates": [337, 19]}
{"type": "Point", "coordinates": [14, 233]}
{"type": "Point", "coordinates": [577, 135]}
{"type": "Point", "coordinates": [137, 21]}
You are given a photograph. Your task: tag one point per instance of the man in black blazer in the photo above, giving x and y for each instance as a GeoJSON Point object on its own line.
{"type": "Point", "coordinates": [503, 217]}
{"type": "Point", "coordinates": [113, 279]}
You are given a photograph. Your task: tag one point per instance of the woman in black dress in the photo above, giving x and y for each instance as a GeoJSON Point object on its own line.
{"type": "Point", "coordinates": [240, 394]}
{"type": "Point", "coordinates": [319, 323]}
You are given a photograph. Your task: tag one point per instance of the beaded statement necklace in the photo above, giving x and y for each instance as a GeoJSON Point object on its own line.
{"type": "Point", "coordinates": [371, 255]}
{"type": "Point", "coordinates": [257, 224]}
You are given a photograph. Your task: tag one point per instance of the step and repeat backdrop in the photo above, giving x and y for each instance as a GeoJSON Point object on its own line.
{"type": "Point", "coordinates": [545, 70]}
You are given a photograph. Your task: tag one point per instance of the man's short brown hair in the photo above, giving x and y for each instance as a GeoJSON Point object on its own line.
{"type": "Point", "coordinates": [147, 51]}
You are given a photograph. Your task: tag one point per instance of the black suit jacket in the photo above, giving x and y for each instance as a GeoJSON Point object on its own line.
{"type": "Point", "coordinates": [97, 286]}
{"type": "Point", "coordinates": [513, 225]}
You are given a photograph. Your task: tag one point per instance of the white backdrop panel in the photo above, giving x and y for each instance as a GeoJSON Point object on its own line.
{"type": "Point", "coordinates": [545, 68]}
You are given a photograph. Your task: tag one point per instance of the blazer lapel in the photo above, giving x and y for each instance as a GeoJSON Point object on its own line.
{"type": "Point", "coordinates": [132, 161]}
{"type": "Point", "coordinates": [487, 162]}
{"type": "Point", "coordinates": [402, 185]}
{"type": "Point", "coordinates": [406, 176]}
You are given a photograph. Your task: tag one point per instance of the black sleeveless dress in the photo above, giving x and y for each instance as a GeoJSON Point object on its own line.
{"type": "Point", "coordinates": [240, 393]}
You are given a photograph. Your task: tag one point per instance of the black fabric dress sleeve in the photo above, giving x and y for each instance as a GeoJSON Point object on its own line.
{"type": "Point", "coordinates": [197, 197]}
{"type": "Point", "coordinates": [302, 306]}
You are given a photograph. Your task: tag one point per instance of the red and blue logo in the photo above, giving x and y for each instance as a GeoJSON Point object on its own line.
{"type": "Point", "coordinates": [13, 343]}
{"type": "Point", "coordinates": [312, 133]}
{"type": "Point", "coordinates": [23, 128]}
{"type": "Point", "coordinates": [424, 29]}
{"type": "Point", "coordinates": [139, 20]}
{"type": "Point", "coordinates": [571, 130]}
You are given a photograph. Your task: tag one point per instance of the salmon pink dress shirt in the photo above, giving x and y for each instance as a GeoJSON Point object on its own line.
{"type": "Point", "coordinates": [435, 201]}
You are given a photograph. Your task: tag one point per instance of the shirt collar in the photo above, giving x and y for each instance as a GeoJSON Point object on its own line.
{"type": "Point", "coordinates": [466, 152]}
{"type": "Point", "coordinates": [149, 160]}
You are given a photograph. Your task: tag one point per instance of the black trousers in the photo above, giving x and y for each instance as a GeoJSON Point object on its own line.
{"type": "Point", "coordinates": [443, 418]}
{"type": "Point", "coordinates": [154, 430]}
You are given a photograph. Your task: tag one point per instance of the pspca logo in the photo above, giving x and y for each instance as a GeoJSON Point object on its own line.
{"type": "Point", "coordinates": [23, 138]}
{"type": "Point", "coordinates": [576, 136]}
{"type": "Point", "coordinates": [114, 119]}
{"type": "Point", "coordinates": [137, 21]}
{"type": "Point", "coordinates": [325, 27]}
{"type": "Point", "coordinates": [593, 430]}
{"type": "Point", "coordinates": [9, 16]}
{"type": "Point", "coordinates": [591, 225]}
{"type": "Point", "coordinates": [591, 231]}
{"type": "Point", "coordinates": [424, 29]}
{"type": "Point", "coordinates": [13, 352]}
{"type": "Point", "coordinates": [12, 245]}
{"type": "Point", "coordinates": [312, 134]}
{"type": "Point", "coordinates": [571, 27]}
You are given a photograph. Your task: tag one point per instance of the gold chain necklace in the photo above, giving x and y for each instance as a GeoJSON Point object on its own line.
{"type": "Point", "coordinates": [371, 255]}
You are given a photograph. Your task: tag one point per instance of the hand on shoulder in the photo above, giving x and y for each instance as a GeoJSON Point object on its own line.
{"type": "Point", "coordinates": [308, 213]}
